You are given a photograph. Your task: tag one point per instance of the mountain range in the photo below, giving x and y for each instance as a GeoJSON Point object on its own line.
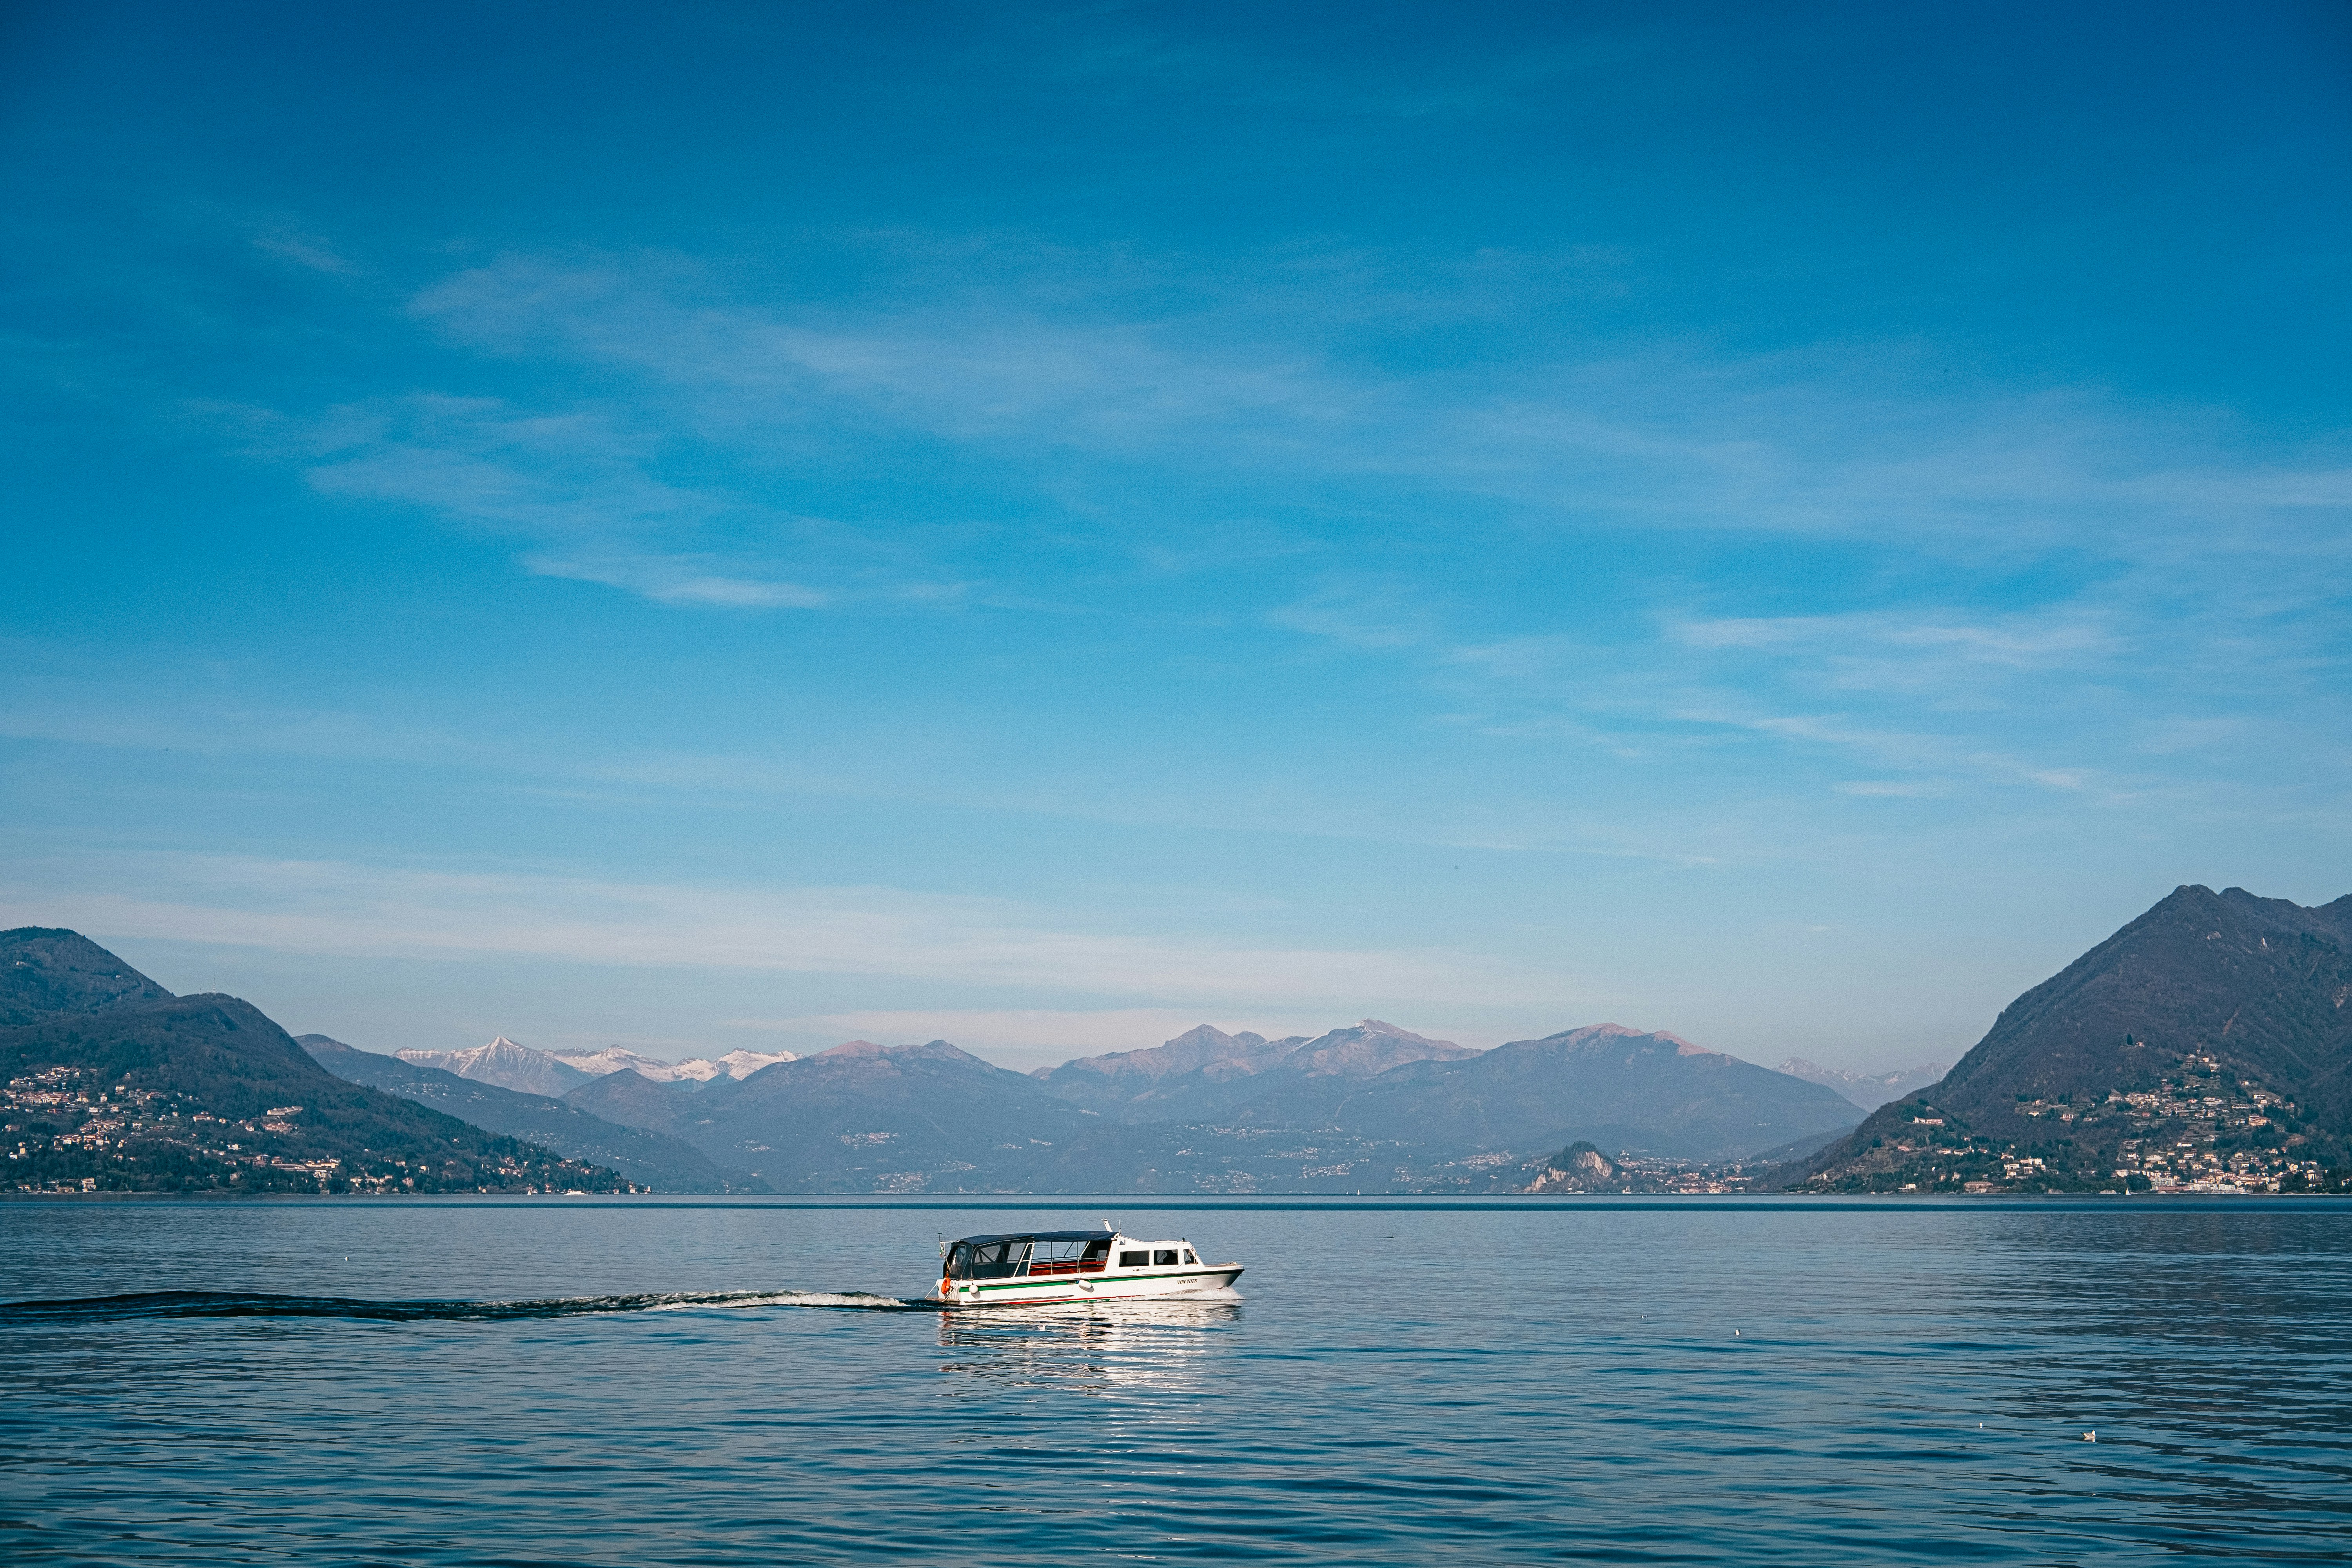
{"type": "Point", "coordinates": [1652, 1092]}
{"type": "Point", "coordinates": [2207, 1044]}
{"type": "Point", "coordinates": [1367, 1107]}
{"type": "Point", "coordinates": [698, 1070]}
{"type": "Point", "coordinates": [555, 1073]}
{"type": "Point", "coordinates": [868, 1118]}
{"type": "Point", "coordinates": [1370, 1106]}
{"type": "Point", "coordinates": [650, 1157]}
{"type": "Point", "coordinates": [1204, 1074]}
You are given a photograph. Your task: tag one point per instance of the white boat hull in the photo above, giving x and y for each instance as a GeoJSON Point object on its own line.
{"type": "Point", "coordinates": [1109, 1285]}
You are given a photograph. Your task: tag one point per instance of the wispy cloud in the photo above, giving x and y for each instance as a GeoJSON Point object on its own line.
{"type": "Point", "coordinates": [309, 907]}
{"type": "Point", "coordinates": [1364, 614]}
{"type": "Point", "coordinates": [205, 714]}
{"type": "Point", "coordinates": [574, 485]}
{"type": "Point", "coordinates": [1135, 406]}
{"type": "Point", "coordinates": [964, 368]}
{"type": "Point", "coordinates": [1887, 789]}
{"type": "Point", "coordinates": [309, 251]}
{"type": "Point", "coordinates": [1941, 698]}
{"type": "Point", "coordinates": [674, 579]}
{"type": "Point", "coordinates": [1908, 648]}
{"type": "Point", "coordinates": [2037, 588]}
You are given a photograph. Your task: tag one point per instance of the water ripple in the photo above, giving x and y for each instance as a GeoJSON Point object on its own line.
{"type": "Point", "coordinates": [1859, 1386]}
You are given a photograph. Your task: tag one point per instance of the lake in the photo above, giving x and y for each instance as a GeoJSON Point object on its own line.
{"type": "Point", "coordinates": [1400, 1381]}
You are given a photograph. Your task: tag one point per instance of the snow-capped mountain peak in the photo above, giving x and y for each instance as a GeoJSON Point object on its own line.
{"type": "Point", "coordinates": [505, 1063]}
{"type": "Point", "coordinates": [701, 1070]}
{"type": "Point", "coordinates": [743, 1064]}
{"type": "Point", "coordinates": [614, 1059]}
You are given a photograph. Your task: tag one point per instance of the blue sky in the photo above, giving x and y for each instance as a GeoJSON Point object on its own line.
{"type": "Point", "coordinates": [715, 526]}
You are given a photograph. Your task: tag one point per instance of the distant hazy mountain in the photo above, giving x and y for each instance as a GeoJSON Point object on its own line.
{"type": "Point", "coordinates": [2209, 1041]}
{"type": "Point", "coordinates": [1330, 1115]}
{"type": "Point", "coordinates": [1204, 1075]}
{"type": "Point", "coordinates": [1867, 1091]}
{"type": "Point", "coordinates": [1606, 1084]}
{"type": "Point", "coordinates": [867, 1118]}
{"type": "Point", "coordinates": [700, 1070]}
{"type": "Point", "coordinates": [505, 1063]}
{"type": "Point", "coordinates": [129, 1087]}
{"type": "Point", "coordinates": [632, 1099]}
{"type": "Point", "coordinates": [662, 1163]}
{"type": "Point", "coordinates": [1368, 1108]}
{"type": "Point", "coordinates": [1117, 1083]}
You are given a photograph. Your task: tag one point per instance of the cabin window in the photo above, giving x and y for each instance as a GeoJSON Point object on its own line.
{"type": "Point", "coordinates": [1165, 1257]}
{"type": "Point", "coordinates": [1189, 1258]}
{"type": "Point", "coordinates": [1134, 1259]}
{"type": "Point", "coordinates": [996, 1259]}
{"type": "Point", "coordinates": [1071, 1257]}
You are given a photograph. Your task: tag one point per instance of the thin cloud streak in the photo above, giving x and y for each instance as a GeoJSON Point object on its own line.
{"type": "Point", "coordinates": [1656, 435]}
{"type": "Point", "coordinates": [323, 907]}
{"type": "Point", "coordinates": [2169, 620]}
{"type": "Point", "coordinates": [128, 715]}
{"type": "Point", "coordinates": [651, 495]}
{"type": "Point", "coordinates": [677, 580]}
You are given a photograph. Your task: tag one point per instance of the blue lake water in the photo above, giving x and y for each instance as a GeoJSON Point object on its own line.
{"type": "Point", "coordinates": [1622, 1382]}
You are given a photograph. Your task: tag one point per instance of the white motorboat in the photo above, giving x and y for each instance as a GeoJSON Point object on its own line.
{"type": "Point", "coordinates": [1032, 1268]}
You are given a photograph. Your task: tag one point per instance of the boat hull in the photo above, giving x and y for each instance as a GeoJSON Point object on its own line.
{"type": "Point", "coordinates": [1148, 1285]}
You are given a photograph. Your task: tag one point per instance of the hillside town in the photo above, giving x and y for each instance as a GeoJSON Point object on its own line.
{"type": "Point", "coordinates": [65, 1128]}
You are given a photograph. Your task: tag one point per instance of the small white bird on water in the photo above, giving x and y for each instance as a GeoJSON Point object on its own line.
{"type": "Point", "coordinates": [2090, 1436]}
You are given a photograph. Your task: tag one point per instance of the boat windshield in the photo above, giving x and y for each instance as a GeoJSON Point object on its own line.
{"type": "Point", "coordinates": [986, 1259]}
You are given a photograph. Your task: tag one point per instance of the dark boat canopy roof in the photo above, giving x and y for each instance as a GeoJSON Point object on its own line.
{"type": "Point", "coordinates": [1036, 1235]}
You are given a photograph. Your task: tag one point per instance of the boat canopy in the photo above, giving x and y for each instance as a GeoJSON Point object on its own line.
{"type": "Point", "coordinates": [1036, 1236]}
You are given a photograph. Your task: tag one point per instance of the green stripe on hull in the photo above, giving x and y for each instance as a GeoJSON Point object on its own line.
{"type": "Point", "coordinates": [1100, 1279]}
{"type": "Point", "coordinates": [1097, 1281]}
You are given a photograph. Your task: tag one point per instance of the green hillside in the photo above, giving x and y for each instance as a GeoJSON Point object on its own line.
{"type": "Point", "coordinates": [130, 1088]}
{"type": "Point", "coordinates": [2205, 1046]}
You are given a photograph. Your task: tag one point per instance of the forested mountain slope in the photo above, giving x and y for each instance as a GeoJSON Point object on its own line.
{"type": "Point", "coordinates": [2207, 1041]}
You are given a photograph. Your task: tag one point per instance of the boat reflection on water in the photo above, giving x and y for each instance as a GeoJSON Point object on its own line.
{"type": "Point", "coordinates": [1094, 1347]}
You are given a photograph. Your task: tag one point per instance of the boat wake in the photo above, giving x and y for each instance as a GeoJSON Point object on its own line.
{"type": "Point", "coordinates": [234, 1304]}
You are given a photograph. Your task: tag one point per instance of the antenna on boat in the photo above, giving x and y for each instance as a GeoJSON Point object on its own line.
{"type": "Point", "coordinates": [1108, 1226]}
